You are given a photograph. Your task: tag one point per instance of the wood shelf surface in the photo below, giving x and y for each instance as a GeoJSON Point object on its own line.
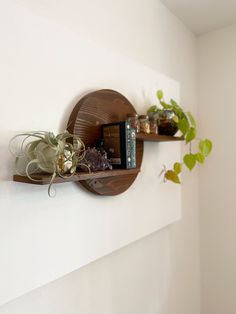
{"type": "Point", "coordinates": [44, 178]}
{"type": "Point", "coordinates": [93, 110]}
{"type": "Point", "coordinates": [157, 138]}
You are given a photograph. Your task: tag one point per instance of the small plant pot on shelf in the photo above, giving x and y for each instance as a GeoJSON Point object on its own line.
{"type": "Point", "coordinates": [166, 124]}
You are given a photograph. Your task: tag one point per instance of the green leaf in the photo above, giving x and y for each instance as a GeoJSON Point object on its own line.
{"type": "Point", "coordinates": [190, 135]}
{"type": "Point", "coordinates": [209, 145]}
{"type": "Point", "coordinates": [30, 148]}
{"type": "Point", "coordinates": [178, 112]}
{"type": "Point", "coordinates": [200, 158]}
{"type": "Point", "coordinates": [166, 106]}
{"type": "Point", "coordinates": [176, 106]}
{"type": "Point", "coordinates": [183, 126]}
{"type": "Point", "coordinates": [50, 138]}
{"type": "Point", "coordinates": [177, 167]}
{"type": "Point", "coordinates": [205, 147]}
{"type": "Point", "coordinates": [175, 119]}
{"type": "Point", "coordinates": [159, 94]}
{"type": "Point", "coordinates": [190, 161]}
{"type": "Point", "coordinates": [152, 109]}
{"type": "Point", "coordinates": [191, 119]}
{"type": "Point", "coordinates": [60, 146]}
{"type": "Point", "coordinates": [64, 136]}
{"type": "Point", "coordinates": [174, 103]}
{"type": "Point", "coordinates": [172, 176]}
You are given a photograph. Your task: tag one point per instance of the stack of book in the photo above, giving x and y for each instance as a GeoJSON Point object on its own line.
{"type": "Point", "coordinates": [120, 144]}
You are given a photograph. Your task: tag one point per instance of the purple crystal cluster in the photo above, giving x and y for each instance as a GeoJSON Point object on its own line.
{"type": "Point", "coordinates": [96, 160]}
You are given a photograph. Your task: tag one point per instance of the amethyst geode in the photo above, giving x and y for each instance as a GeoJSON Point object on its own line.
{"type": "Point", "coordinates": [95, 160]}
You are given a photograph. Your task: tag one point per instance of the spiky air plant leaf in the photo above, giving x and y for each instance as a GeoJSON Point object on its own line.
{"type": "Point", "coordinates": [42, 151]}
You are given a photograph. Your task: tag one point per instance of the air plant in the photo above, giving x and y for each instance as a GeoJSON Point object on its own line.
{"type": "Point", "coordinates": [42, 151]}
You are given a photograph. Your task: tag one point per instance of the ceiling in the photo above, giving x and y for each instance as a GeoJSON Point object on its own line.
{"type": "Point", "coordinates": [202, 16]}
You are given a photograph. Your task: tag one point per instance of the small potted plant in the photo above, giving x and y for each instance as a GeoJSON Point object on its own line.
{"type": "Point", "coordinates": [172, 118]}
{"type": "Point", "coordinates": [43, 152]}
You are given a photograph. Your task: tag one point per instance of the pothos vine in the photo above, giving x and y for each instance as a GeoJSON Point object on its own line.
{"type": "Point", "coordinates": [186, 124]}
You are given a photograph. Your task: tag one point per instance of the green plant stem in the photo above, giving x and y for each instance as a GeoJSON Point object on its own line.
{"type": "Point", "coordinates": [190, 147]}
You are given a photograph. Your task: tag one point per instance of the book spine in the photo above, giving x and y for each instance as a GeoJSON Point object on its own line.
{"type": "Point", "coordinates": [130, 146]}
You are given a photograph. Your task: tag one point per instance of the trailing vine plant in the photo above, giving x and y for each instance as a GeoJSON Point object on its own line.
{"type": "Point", "coordinates": [186, 124]}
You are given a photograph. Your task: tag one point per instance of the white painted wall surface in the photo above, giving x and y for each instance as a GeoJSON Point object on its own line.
{"type": "Point", "coordinates": [159, 274]}
{"type": "Point", "coordinates": [217, 73]}
{"type": "Point", "coordinates": [45, 67]}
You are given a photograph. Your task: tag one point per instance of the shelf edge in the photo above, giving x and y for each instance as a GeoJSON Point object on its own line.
{"type": "Point", "coordinates": [43, 179]}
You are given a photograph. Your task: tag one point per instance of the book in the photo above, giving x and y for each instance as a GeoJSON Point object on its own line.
{"type": "Point", "coordinates": [120, 144]}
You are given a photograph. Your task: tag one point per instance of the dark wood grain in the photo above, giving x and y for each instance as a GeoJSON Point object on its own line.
{"type": "Point", "coordinates": [157, 138]}
{"type": "Point", "coordinates": [44, 178]}
{"type": "Point", "coordinates": [93, 110]}
{"type": "Point", "coordinates": [110, 186]}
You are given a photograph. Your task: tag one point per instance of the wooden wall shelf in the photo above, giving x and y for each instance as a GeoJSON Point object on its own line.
{"type": "Point", "coordinates": [93, 110]}
{"type": "Point", "coordinates": [157, 138]}
{"type": "Point", "coordinates": [44, 178]}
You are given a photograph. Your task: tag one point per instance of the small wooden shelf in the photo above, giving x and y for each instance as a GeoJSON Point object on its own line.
{"type": "Point", "coordinates": [157, 138]}
{"type": "Point", "coordinates": [93, 110]}
{"type": "Point", "coordinates": [44, 178]}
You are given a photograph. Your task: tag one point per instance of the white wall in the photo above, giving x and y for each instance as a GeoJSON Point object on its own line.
{"type": "Point", "coordinates": [45, 66]}
{"type": "Point", "coordinates": [217, 81]}
{"type": "Point", "coordinates": [161, 272]}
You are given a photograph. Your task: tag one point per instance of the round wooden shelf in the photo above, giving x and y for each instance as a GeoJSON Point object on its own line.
{"type": "Point", "coordinates": [93, 110]}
